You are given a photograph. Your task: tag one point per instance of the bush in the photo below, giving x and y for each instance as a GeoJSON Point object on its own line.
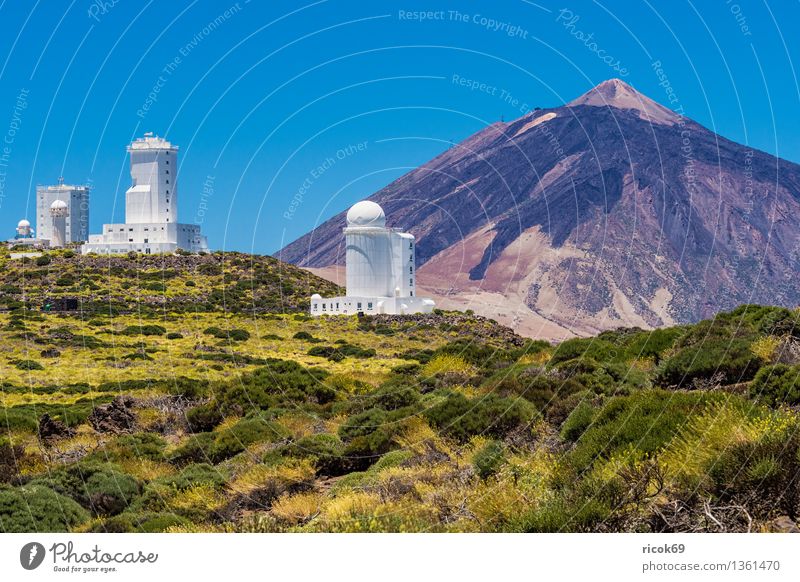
{"type": "Point", "coordinates": [99, 487]}
{"type": "Point", "coordinates": [36, 508]}
{"type": "Point", "coordinates": [144, 330]}
{"type": "Point", "coordinates": [146, 522]}
{"type": "Point", "coordinates": [197, 474]}
{"type": "Point", "coordinates": [646, 420]}
{"type": "Point", "coordinates": [143, 445]}
{"type": "Point", "coordinates": [219, 446]}
{"type": "Point", "coordinates": [204, 418]}
{"type": "Point", "coordinates": [174, 335]}
{"type": "Point", "coordinates": [239, 335]}
{"type": "Point", "coordinates": [43, 261]}
{"type": "Point", "coordinates": [326, 450]}
{"type": "Point", "coordinates": [492, 415]}
{"type": "Point", "coordinates": [279, 382]}
{"type": "Point", "coordinates": [489, 459]}
{"type": "Point", "coordinates": [778, 384]}
{"type": "Point", "coordinates": [27, 365]}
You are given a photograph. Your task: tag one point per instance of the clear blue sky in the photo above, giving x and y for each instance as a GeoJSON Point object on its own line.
{"type": "Point", "coordinates": [259, 98]}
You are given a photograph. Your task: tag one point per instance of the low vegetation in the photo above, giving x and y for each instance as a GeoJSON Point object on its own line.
{"type": "Point", "coordinates": [190, 415]}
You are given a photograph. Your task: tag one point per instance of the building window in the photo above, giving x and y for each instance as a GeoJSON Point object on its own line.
{"type": "Point", "coordinates": [369, 305]}
{"type": "Point", "coordinates": [167, 181]}
{"type": "Point", "coordinates": [167, 171]}
{"type": "Point", "coordinates": [411, 269]}
{"type": "Point", "coordinates": [337, 306]}
{"type": "Point", "coordinates": [410, 293]}
{"type": "Point", "coordinates": [411, 246]}
{"type": "Point", "coordinates": [314, 307]}
{"type": "Point", "coordinates": [323, 307]}
{"type": "Point", "coordinates": [411, 281]}
{"type": "Point", "coordinates": [168, 162]}
{"type": "Point", "coordinates": [358, 305]}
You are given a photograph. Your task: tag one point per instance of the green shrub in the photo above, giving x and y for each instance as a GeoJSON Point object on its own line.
{"type": "Point", "coordinates": [173, 335]}
{"type": "Point", "coordinates": [778, 384]}
{"type": "Point", "coordinates": [493, 415]}
{"type": "Point", "coordinates": [142, 445]}
{"type": "Point", "coordinates": [239, 335]}
{"type": "Point", "coordinates": [27, 365]}
{"type": "Point", "coordinates": [219, 446]}
{"type": "Point", "coordinates": [99, 487]}
{"type": "Point", "coordinates": [194, 450]}
{"type": "Point", "coordinates": [204, 418]}
{"type": "Point", "coordinates": [489, 459]}
{"type": "Point", "coordinates": [326, 450]}
{"type": "Point", "coordinates": [646, 420]}
{"type": "Point", "coordinates": [36, 508]}
{"type": "Point", "coordinates": [43, 260]}
{"type": "Point", "coordinates": [151, 329]}
{"type": "Point", "coordinates": [147, 522]}
{"type": "Point", "coordinates": [279, 382]}
{"type": "Point", "coordinates": [197, 474]}
{"type": "Point", "coordinates": [578, 421]}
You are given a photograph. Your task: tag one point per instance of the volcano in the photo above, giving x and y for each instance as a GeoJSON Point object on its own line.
{"type": "Point", "coordinates": [609, 211]}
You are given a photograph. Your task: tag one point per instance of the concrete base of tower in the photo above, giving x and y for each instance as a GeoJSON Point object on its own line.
{"type": "Point", "coordinates": [348, 305]}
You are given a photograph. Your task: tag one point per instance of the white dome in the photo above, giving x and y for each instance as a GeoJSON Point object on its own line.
{"type": "Point", "coordinates": [57, 204]}
{"type": "Point", "coordinates": [366, 213]}
{"type": "Point", "coordinates": [316, 296]}
{"type": "Point", "coordinates": [23, 223]}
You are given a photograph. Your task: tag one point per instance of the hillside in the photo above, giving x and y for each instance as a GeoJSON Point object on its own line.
{"type": "Point", "coordinates": [144, 284]}
{"type": "Point", "coordinates": [610, 210]}
{"type": "Point", "coordinates": [216, 419]}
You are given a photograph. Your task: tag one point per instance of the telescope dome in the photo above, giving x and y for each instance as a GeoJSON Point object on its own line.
{"type": "Point", "coordinates": [366, 213]}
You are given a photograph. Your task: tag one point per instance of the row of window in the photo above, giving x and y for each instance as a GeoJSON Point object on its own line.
{"type": "Point", "coordinates": [358, 306]}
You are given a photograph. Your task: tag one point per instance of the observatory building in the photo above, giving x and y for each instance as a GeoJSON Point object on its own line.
{"type": "Point", "coordinates": [25, 235]}
{"type": "Point", "coordinates": [381, 273]}
{"type": "Point", "coordinates": [151, 206]}
{"type": "Point", "coordinates": [76, 217]}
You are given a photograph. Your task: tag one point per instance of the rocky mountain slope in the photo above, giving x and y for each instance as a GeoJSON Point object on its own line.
{"type": "Point", "coordinates": [611, 210]}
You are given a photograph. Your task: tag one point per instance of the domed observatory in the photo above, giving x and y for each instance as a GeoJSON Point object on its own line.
{"type": "Point", "coordinates": [381, 273]}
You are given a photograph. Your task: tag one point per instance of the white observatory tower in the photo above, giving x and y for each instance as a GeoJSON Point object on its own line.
{"type": "Point", "coordinates": [151, 206]}
{"type": "Point", "coordinates": [381, 273]}
{"type": "Point", "coordinates": [58, 216]}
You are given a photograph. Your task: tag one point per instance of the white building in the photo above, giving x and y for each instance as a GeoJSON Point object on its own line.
{"type": "Point", "coordinates": [26, 236]}
{"type": "Point", "coordinates": [381, 273]}
{"type": "Point", "coordinates": [151, 207]}
{"type": "Point", "coordinates": [76, 220]}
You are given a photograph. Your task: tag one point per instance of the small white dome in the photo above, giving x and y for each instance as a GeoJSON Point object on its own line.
{"type": "Point", "coordinates": [58, 204]}
{"type": "Point", "coordinates": [316, 296]}
{"type": "Point", "coordinates": [24, 223]}
{"type": "Point", "coordinates": [366, 213]}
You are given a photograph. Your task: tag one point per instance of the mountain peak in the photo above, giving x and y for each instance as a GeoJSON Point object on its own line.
{"type": "Point", "coordinates": [618, 94]}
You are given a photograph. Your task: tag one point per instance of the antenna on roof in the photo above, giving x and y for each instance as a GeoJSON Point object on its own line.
{"type": "Point", "coordinates": [61, 180]}
{"type": "Point", "coordinates": [148, 134]}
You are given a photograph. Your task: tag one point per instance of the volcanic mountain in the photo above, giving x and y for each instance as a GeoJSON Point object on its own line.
{"type": "Point", "coordinates": [611, 210]}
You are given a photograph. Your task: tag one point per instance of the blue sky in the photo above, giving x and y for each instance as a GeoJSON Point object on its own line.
{"type": "Point", "coordinates": [288, 112]}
